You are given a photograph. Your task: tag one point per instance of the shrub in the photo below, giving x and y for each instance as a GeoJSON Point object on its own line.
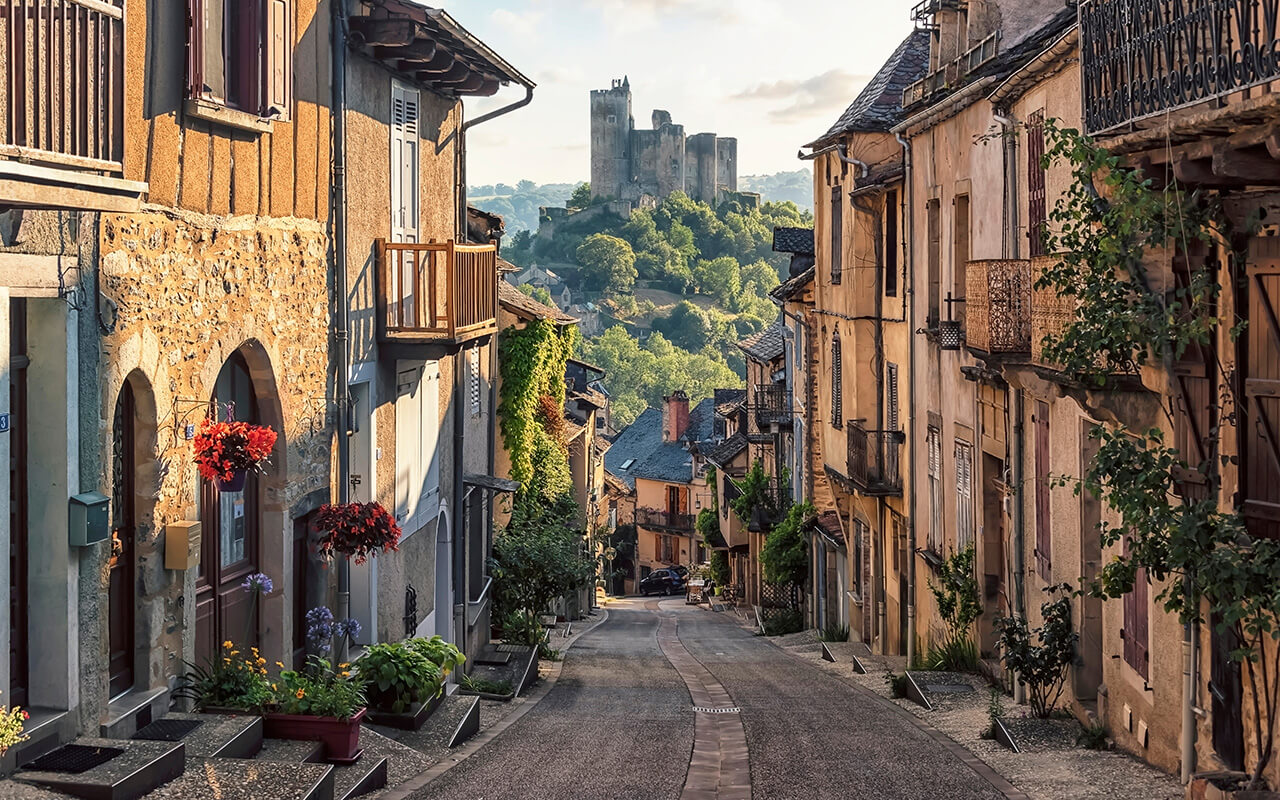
{"type": "Point", "coordinates": [897, 683]}
{"type": "Point", "coordinates": [995, 710]}
{"type": "Point", "coordinates": [397, 677]}
{"type": "Point", "coordinates": [443, 654]}
{"type": "Point", "coordinates": [228, 680]}
{"type": "Point", "coordinates": [785, 556]}
{"type": "Point", "coordinates": [1041, 664]}
{"type": "Point", "coordinates": [956, 593]}
{"type": "Point", "coordinates": [833, 633]}
{"type": "Point", "coordinates": [785, 621]}
{"type": "Point", "coordinates": [1093, 737]}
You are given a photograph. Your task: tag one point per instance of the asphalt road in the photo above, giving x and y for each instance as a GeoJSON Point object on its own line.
{"type": "Point", "coordinates": [619, 724]}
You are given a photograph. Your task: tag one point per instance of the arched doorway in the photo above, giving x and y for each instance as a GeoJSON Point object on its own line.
{"type": "Point", "coordinates": [231, 524]}
{"type": "Point", "coordinates": [120, 594]}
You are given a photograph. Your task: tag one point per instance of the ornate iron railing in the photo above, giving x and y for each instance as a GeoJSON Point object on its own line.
{"type": "Point", "coordinates": [437, 290]}
{"type": "Point", "coordinates": [998, 306]}
{"type": "Point", "coordinates": [670, 520]}
{"type": "Point", "coordinates": [874, 459]}
{"type": "Point", "coordinates": [773, 405]}
{"type": "Point", "coordinates": [1145, 57]}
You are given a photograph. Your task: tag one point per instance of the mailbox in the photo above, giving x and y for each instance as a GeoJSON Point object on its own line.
{"type": "Point", "coordinates": [182, 544]}
{"type": "Point", "coordinates": [88, 518]}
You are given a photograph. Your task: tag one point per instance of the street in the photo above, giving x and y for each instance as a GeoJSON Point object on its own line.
{"type": "Point", "coordinates": [620, 723]}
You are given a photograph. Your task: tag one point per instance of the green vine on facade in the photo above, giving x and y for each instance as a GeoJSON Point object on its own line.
{"type": "Point", "coordinates": [531, 405]}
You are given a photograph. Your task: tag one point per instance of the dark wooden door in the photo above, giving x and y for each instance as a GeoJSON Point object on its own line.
{"type": "Point", "coordinates": [1260, 470]}
{"type": "Point", "coordinates": [304, 530]}
{"type": "Point", "coordinates": [1088, 673]}
{"type": "Point", "coordinates": [120, 594]}
{"type": "Point", "coordinates": [1226, 694]}
{"type": "Point", "coordinates": [230, 524]}
{"type": "Point", "coordinates": [1195, 393]}
{"type": "Point", "coordinates": [18, 632]}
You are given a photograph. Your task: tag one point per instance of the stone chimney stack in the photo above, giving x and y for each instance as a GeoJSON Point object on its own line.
{"type": "Point", "coordinates": [675, 416]}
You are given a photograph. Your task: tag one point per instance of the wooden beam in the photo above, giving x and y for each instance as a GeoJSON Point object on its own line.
{"type": "Point", "coordinates": [1248, 165]}
{"type": "Point", "coordinates": [486, 86]}
{"type": "Point", "coordinates": [442, 61]}
{"type": "Point", "coordinates": [460, 72]}
{"type": "Point", "coordinates": [1199, 172]}
{"type": "Point", "coordinates": [387, 31]}
{"type": "Point", "coordinates": [417, 50]}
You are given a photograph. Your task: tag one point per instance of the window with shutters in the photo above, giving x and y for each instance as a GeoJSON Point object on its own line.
{"type": "Point", "coordinates": [891, 244]}
{"type": "Point", "coordinates": [239, 54]}
{"type": "Point", "coordinates": [473, 379]}
{"type": "Point", "coordinates": [405, 149]}
{"type": "Point", "coordinates": [837, 372]}
{"type": "Point", "coordinates": [1044, 542]}
{"type": "Point", "coordinates": [1137, 623]}
{"type": "Point", "coordinates": [417, 441]}
{"type": "Point", "coordinates": [933, 215]}
{"type": "Point", "coordinates": [964, 494]}
{"type": "Point", "coordinates": [933, 444]}
{"type": "Point", "coordinates": [859, 551]}
{"type": "Point", "coordinates": [837, 233]}
{"type": "Point", "coordinates": [891, 396]}
{"type": "Point", "coordinates": [1036, 195]}
{"type": "Point", "coordinates": [959, 255]}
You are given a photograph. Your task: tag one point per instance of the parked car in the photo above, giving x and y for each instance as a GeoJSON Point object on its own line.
{"type": "Point", "coordinates": [661, 581]}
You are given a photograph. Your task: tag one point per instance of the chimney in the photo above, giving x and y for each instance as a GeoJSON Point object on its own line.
{"type": "Point", "coordinates": [675, 416]}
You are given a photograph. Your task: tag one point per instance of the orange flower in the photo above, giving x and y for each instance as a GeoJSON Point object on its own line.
{"type": "Point", "coordinates": [299, 694]}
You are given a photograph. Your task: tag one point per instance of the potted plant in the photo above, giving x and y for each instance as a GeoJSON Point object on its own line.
{"type": "Point", "coordinates": [319, 703]}
{"type": "Point", "coordinates": [226, 451]}
{"type": "Point", "coordinates": [11, 722]}
{"type": "Point", "coordinates": [401, 685]}
{"type": "Point", "coordinates": [232, 682]}
{"type": "Point", "coordinates": [444, 655]}
{"type": "Point", "coordinates": [357, 530]}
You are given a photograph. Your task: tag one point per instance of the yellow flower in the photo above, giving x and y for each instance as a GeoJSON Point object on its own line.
{"type": "Point", "coordinates": [345, 673]}
{"type": "Point", "coordinates": [299, 694]}
{"type": "Point", "coordinates": [226, 661]}
{"type": "Point", "coordinates": [275, 688]}
{"type": "Point", "coordinates": [227, 644]}
{"type": "Point", "coordinates": [280, 664]}
{"type": "Point", "coordinates": [235, 652]}
{"type": "Point", "coordinates": [261, 661]}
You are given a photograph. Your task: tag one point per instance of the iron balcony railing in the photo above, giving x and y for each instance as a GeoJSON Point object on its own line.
{"type": "Point", "coordinates": [1141, 58]}
{"type": "Point", "coordinates": [63, 85]}
{"type": "Point", "coordinates": [874, 459]}
{"type": "Point", "coordinates": [773, 406]}
{"type": "Point", "coordinates": [437, 290]}
{"type": "Point", "coordinates": [668, 520]}
{"type": "Point", "coordinates": [998, 306]}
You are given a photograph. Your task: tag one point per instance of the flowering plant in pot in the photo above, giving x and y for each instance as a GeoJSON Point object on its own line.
{"type": "Point", "coordinates": [11, 722]}
{"type": "Point", "coordinates": [319, 702]}
{"type": "Point", "coordinates": [357, 530]}
{"type": "Point", "coordinates": [226, 451]}
{"type": "Point", "coordinates": [231, 681]}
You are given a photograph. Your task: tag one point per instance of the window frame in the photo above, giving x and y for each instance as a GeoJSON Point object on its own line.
{"type": "Point", "coordinates": [270, 26]}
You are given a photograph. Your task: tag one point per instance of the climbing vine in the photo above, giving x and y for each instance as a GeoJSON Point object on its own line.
{"type": "Point", "coordinates": [531, 406]}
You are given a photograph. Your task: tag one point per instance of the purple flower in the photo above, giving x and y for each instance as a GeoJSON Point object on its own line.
{"type": "Point", "coordinates": [319, 615]}
{"type": "Point", "coordinates": [259, 583]}
{"type": "Point", "coordinates": [349, 628]}
{"type": "Point", "coordinates": [320, 629]}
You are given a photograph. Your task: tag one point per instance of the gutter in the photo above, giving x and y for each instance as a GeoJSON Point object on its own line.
{"type": "Point", "coordinates": [1050, 61]}
{"type": "Point", "coordinates": [908, 298]}
{"type": "Point", "coordinates": [946, 108]}
{"type": "Point", "coordinates": [841, 150]}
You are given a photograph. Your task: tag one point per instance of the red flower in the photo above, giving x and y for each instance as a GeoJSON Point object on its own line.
{"type": "Point", "coordinates": [357, 530]}
{"type": "Point", "coordinates": [224, 448]}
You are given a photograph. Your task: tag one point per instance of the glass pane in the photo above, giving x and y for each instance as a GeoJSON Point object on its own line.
{"type": "Point", "coordinates": [231, 533]}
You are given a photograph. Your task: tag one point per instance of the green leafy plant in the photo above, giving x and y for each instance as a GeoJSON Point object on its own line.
{"type": "Point", "coordinates": [12, 721]}
{"type": "Point", "coordinates": [484, 685]}
{"type": "Point", "coordinates": [397, 677]}
{"type": "Point", "coordinates": [783, 621]}
{"type": "Point", "coordinates": [995, 710]}
{"type": "Point", "coordinates": [1040, 658]}
{"type": "Point", "coordinates": [833, 633]}
{"type": "Point", "coordinates": [785, 555]}
{"type": "Point", "coordinates": [319, 690]}
{"type": "Point", "coordinates": [1093, 737]}
{"type": "Point", "coordinates": [231, 679]}
{"type": "Point", "coordinates": [760, 495]}
{"type": "Point", "coordinates": [898, 684]}
{"type": "Point", "coordinates": [531, 405]}
{"type": "Point", "coordinates": [956, 594]}
{"type": "Point", "coordinates": [443, 654]}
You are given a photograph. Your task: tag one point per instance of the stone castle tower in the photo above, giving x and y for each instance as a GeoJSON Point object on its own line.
{"type": "Point", "coordinates": [628, 164]}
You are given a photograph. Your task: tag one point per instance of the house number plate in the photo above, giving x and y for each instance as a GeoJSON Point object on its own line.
{"type": "Point", "coordinates": [4, 423]}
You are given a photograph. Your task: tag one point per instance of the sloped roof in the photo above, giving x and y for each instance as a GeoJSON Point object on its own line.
{"type": "Point", "coordinates": [793, 240]}
{"type": "Point", "coordinates": [765, 345]}
{"type": "Point", "coordinates": [524, 306]}
{"type": "Point", "coordinates": [652, 458]}
{"type": "Point", "coordinates": [727, 400]}
{"type": "Point", "coordinates": [794, 285]}
{"type": "Point", "coordinates": [724, 452]}
{"type": "Point", "coordinates": [616, 483]}
{"type": "Point", "coordinates": [879, 106]}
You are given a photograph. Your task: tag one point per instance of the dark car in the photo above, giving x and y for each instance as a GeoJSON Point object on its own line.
{"type": "Point", "coordinates": [661, 581]}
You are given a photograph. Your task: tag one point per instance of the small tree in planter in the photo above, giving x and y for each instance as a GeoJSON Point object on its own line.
{"type": "Point", "coordinates": [357, 530]}
{"type": "Point", "coordinates": [956, 593]}
{"type": "Point", "coordinates": [1041, 664]}
{"type": "Point", "coordinates": [226, 451]}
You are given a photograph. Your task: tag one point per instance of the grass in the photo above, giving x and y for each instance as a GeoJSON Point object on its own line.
{"type": "Point", "coordinates": [833, 633]}
{"type": "Point", "coordinates": [1093, 737]}
{"type": "Point", "coordinates": [484, 685]}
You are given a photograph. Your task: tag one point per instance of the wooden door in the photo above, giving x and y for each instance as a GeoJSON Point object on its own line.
{"type": "Point", "coordinates": [1195, 393]}
{"type": "Point", "coordinates": [230, 524]}
{"type": "Point", "coordinates": [120, 594]}
{"type": "Point", "coordinates": [1226, 694]}
{"type": "Point", "coordinates": [1088, 673]}
{"type": "Point", "coordinates": [1260, 428]}
{"type": "Point", "coordinates": [18, 631]}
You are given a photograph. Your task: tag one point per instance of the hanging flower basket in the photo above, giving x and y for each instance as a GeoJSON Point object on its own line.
{"type": "Point", "coordinates": [357, 530]}
{"type": "Point", "coordinates": [226, 451]}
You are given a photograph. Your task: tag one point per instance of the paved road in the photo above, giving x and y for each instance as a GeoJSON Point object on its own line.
{"type": "Point", "coordinates": [619, 724]}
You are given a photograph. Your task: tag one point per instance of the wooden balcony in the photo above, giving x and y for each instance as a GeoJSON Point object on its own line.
{"type": "Point", "coordinates": [773, 406]}
{"type": "Point", "coordinates": [63, 90]}
{"type": "Point", "coordinates": [1051, 312]}
{"type": "Point", "coordinates": [874, 460]}
{"type": "Point", "coordinates": [1142, 58]}
{"type": "Point", "coordinates": [437, 292]}
{"type": "Point", "coordinates": [998, 306]}
{"type": "Point", "coordinates": [665, 520]}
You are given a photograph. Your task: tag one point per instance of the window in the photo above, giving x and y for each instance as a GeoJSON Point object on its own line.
{"type": "Point", "coordinates": [1036, 195]}
{"type": "Point", "coordinates": [960, 255]}
{"type": "Point", "coordinates": [417, 438]}
{"type": "Point", "coordinates": [859, 548]}
{"type": "Point", "coordinates": [404, 164]}
{"type": "Point", "coordinates": [891, 244]}
{"type": "Point", "coordinates": [1044, 544]}
{"type": "Point", "coordinates": [891, 396]}
{"type": "Point", "coordinates": [837, 233]}
{"type": "Point", "coordinates": [964, 494]}
{"type": "Point", "coordinates": [666, 550]}
{"type": "Point", "coordinates": [900, 542]}
{"type": "Point", "coordinates": [933, 443]}
{"type": "Point", "coordinates": [837, 370]}
{"type": "Point", "coordinates": [1136, 623]}
{"type": "Point", "coordinates": [934, 214]}
{"type": "Point", "coordinates": [239, 54]}
{"type": "Point", "coordinates": [473, 379]}
{"type": "Point", "coordinates": [611, 119]}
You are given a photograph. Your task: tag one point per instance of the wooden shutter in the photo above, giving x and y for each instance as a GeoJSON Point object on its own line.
{"type": "Point", "coordinates": [837, 388]}
{"type": "Point", "coordinates": [196, 23]}
{"type": "Point", "coordinates": [1036, 195]}
{"type": "Point", "coordinates": [1136, 622]}
{"type": "Point", "coordinates": [891, 396]}
{"type": "Point", "coordinates": [837, 233]}
{"type": "Point", "coordinates": [1260, 430]}
{"type": "Point", "coordinates": [1195, 396]}
{"type": "Point", "coordinates": [933, 442]}
{"type": "Point", "coordinates": [1043, 540]}
{"type": "Point", "coordinates": [279, 59]}
{"type": "Point", "coordinates": [959, 255]}
{"type": "Point", "coordinates": [891, 244]}
{"type": "Point", "coordinates": [429, 436]}
{"type": "Point", "coordinates": [964, 494]}
{"type": "Point", "coordinates": [934, 218]}
{"type": "Point", "coordinates": [404, 163]}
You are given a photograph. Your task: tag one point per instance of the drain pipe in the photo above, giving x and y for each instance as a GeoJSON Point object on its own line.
{"type": "Point", "coordinates": [1190, 640]}
{"type": "Point", "coordinates": [908, 297]}
{"type": "Point", "coordinates": [340, 323]}
{"type": "Point", "coordinates": [1019, 525]}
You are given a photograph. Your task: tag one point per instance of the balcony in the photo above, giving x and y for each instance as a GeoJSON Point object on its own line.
{"type": "Point", "coordinates": [998, 306]}
{"type": "Point", "coordinates": [64, 90]}
{"type": "Point", "coordinates": [1141, 59]}
{"type": "Point", "coordinates": [874, 460]}
{"type": "Point", "coordinates": [953, 73]}
{"type": "Point", "coordinates": [437, 292]}
{"type": "Point", "coordinates": [1051, 312]}
{"type": "Point", "coordinates": [773, 406]}
{"type": "Point", "coordinates": [665, 520]}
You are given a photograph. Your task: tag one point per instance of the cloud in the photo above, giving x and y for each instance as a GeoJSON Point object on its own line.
{"type": "Point", "coordinates": [623, 13]}
{"type": "Point", "coordinates": [808, 97]}
{"type": "Point", "coordinates": [522, 23]}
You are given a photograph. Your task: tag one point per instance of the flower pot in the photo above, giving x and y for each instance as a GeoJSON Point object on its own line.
{"type": "Point", "coordinates": [341, 737]}
{"type": "Point", "coordinates": [236, 483]}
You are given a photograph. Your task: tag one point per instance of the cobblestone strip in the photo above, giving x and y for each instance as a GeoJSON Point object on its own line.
{"type": "Point", "coordinates": [719, 766]}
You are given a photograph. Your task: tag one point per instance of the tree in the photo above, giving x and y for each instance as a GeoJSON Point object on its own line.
{"type": "Point", "coordinates": [581, 197]}
{"type": "Point", "coordinates": [608, 264]}
{"type": "Point", "coordinates": [686, 326]}
{"type": "Point", "coordinates": [538, 293]}
{"type": "Point", "coordinates": [525, 187]}
{"type": "Point", "coordinates": [720, 277]}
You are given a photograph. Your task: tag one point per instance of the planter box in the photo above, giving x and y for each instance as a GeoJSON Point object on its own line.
{"type": "Point", "coordinates": [488, 695]}
{"type": "Point", "coordinates": [229, 711]}
{"type": "Point", "coordinates": [341, 737]}
{"type": "Point", "coordinates": [1220, 785]}
{"type": "Point", "coordinates": [410, 720]}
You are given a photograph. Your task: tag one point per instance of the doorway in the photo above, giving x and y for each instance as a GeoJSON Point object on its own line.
{"type": "Point", "coordinates": [230, 543]}
{"type": "Point", "coordinates": [120, 592]}
{"type": "Point", "coordinates": [994, 595]}
{"type": "Point", "coordinates": [1227, 694]}
{"type": "Point", "coordinates": [19, 644]}
{"type": "Point", "coordinates": [1088, 673]}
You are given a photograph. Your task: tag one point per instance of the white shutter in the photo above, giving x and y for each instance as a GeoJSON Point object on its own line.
{"type": "Point", "coordinates": [428, 460]}
{"type": "Point", "coordinates": [404, 163]}
{"type": "Point", "coordinates": [891, 395]}
{"type": "Point", "coordinates": [407, 405]}
{"type": "Point", "coordinates": [964, 494]}
{"type": "Point", "coordinates": [473, 379]}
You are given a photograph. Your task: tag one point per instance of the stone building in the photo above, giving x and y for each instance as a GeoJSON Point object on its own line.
{"type": "Point", "coordinates": [628, 163]}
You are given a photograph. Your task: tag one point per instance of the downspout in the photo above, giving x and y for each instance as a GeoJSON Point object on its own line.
{"type": "Point", "coordinates": [840, 150]}
{"type": "Point", "coordinates": [1019, 524]}
{"type": "Point", "coordinates": [1190, 642]}
{"type": "Point", "coordinates": [340, 324]}
{"type": "Point", "coordinates": [1010, 243]}
{"type": "Point", "coordinates": [908, 298]}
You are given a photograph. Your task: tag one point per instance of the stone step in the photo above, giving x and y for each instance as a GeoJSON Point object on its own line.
{"type": "Point", "coordinates": [249, 779]}
{"type": "Point", "coordinates": [131, 770]}
{"type": "Point", "coordinates": [349, 780]}
{"type": "Point", "coordinates": [291, 750]}
{"type": "Point", "coordinates": [456, 720]}
{"type": "Point", "coordinates": [209, 735]}
{"type": "Point", "coordinates": [492, 655]}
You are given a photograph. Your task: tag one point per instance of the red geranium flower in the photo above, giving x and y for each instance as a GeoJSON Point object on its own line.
{"type": "Point", "coordinates": [223, 448]}
{"type": "Point", "coordinates": [357, 530]}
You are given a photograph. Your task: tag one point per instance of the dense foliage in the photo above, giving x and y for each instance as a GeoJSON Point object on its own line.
{"type": "Point", "coordinates": [531, 405]}
{"type": "Point", "coordinates": [319, 690]}
{"type": "Point", "coordinates": [230, 679]}
{"type": "Point", "coordinates": [785, 556]}
{"type": "Point", "coordinates": [397, 678]}
{"type": "Point", "coordinates": [1040, 658]}
{"type": "Point", "coordinates": [759, 494]}
{"type": "Point", "coordinates": [956, 593]}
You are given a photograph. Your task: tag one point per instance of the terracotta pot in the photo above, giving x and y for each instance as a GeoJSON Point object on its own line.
{"type": "Point", "coordinates": [341, 737]}
{"type": "Point", "coordinates": [236, 483]}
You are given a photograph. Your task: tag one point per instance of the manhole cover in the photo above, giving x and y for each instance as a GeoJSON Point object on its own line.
{"type": "Point", "coordinates": [168, 730]}
{"type": "Point", "coordinates": [74, 758]}
{"type": "Point", "coordinates": [706, 710]}
{"type": "Point", "coordinates": [947, 688]}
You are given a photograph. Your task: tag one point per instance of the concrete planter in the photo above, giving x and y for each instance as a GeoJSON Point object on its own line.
{"type": "Point", "coordinates": [341, 737]}
{"type": "Point", "coordinates": [410, 720]}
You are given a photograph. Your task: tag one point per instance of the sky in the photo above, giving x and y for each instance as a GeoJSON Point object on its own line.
{"type": "Point", "coordinates": [774, 73]}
